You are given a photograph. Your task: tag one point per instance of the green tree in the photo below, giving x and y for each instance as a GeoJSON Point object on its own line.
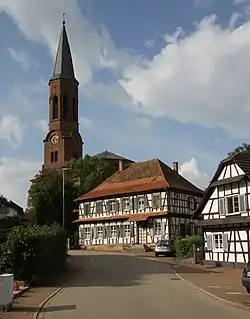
{"type": "Point", "coordinates": [243, 148]}
{"type": "Point", "coordinates": [45, 199]}
{"type": "Point", "coordinates": [88, 172]}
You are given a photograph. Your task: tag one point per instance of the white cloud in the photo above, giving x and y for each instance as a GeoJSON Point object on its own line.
{"type": "Point", "coordinates": [190, 170]}
{"type": "Point", "coordinates": [42, 125]}
{"type": "Point", "coordinates": [15, 175]}
{"type": "Point", "coordinates": [92, 47]}
{"type": "Point", "coordinates": [22, 58]}
{"type": "Point", "coordinates": [188, 80]}
{"type": "Point", "coordinates": [240, 1]}
{"type": "Point", "coordinates": [11, 129]}
{"type": "Point", "coordinates": [86, 123]}
{"type": "Point", "coordinates": [202, 78]}
{"type": "Point", "coordinates": [149, 43]}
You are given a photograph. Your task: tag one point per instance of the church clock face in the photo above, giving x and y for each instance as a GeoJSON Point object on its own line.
{"type": "Point", "coordinates": [55, 139]}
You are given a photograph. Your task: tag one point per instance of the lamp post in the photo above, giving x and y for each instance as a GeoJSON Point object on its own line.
{"type": "Point", "coordinates": [63, 193]}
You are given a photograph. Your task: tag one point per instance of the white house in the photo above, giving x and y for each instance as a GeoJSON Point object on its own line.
{"type": "Point", "coordinates": [224, 213]}
{"type": "Point", "coordinates": [138, 204]}
{"type": "Point", "coordinates": [9, 209]}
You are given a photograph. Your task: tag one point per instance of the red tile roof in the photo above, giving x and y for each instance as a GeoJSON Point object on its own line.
{"type": "Point", "coordinates": [131, 217]}
{"type": "Point", "coordinates": [140, 177]}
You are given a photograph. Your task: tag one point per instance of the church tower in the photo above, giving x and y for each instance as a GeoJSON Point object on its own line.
{"type": "Point", "coordinates": [63, 141]}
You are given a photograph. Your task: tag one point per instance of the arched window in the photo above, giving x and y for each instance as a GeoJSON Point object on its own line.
{"type": "Point", "coordinates": [65, 107]}
{"type": "Point", "coordinates": [55, 107]}
{"type": "Point", "coordinates": [56, 156]}
{"type": "Point", "coordinates": [74, 108]}
{"type": "Point", "coordinates": [52, 157]}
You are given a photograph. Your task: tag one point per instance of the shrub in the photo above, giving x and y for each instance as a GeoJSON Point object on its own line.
{"type": "Point", "coordinates": [31, 253]}
{"type": "Point", "coordinates": [184, 246]}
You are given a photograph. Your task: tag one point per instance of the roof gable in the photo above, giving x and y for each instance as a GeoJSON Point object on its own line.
{"type": "Point", "coordinates": [111, 156]}
{"type": "Point", "coordinates": [141, 177]}
{"type": "Point", "coordinates": [242, 160]}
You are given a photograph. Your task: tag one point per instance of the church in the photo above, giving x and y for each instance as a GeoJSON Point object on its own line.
{"type": "Point", "coordinates": [141, 202]}
{"type": "Point", "coordinates": [63, 141]}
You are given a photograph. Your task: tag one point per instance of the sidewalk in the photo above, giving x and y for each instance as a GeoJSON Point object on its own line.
{"type": "Point", "coordinates": [224, 283]}
{"type": "Point", "coordinates": [26, 305]}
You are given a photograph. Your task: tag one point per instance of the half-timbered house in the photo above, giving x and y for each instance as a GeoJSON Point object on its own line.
{"type": "Point", "coordinates": [139, 204]}
{"type": "Point", "coordinates": [224, 213]}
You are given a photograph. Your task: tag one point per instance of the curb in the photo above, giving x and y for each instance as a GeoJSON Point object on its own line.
{"type": "Point", "coordinates": [54, 293]}
{"type": "Point", "coordinates": [18, 294]}
{"type": "Point", "coordinates": [206, 293]}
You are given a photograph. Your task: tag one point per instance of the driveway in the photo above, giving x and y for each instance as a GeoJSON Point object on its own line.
{"type": "Point", "coordinates": [115, 285]}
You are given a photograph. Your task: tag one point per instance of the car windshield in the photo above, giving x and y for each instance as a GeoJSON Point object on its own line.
{"type": "Point", "coordinates": [163, 243]}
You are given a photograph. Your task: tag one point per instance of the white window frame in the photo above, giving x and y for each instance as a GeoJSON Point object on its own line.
{"type": "Point", "coordinates": [220, 241]}
{"type": "Point", "coordinates": [112, 205]}
{"type": "Point", "coordinates": [127, 229]}
{"type": "Point", "coordinates": [127, 206]}
{"type": "Point", "coordinates": [233, 196]}
{"type": "Point", "coordinates": [140, 202]}
{"type": "Point", "coordinates": [113, 231]}
{"type": "Point", "coordinates": [157, 228]}
{"type": "Point", "coordinates": [87, 233]}
{"type": "Point", "coordinates": [99, 232]}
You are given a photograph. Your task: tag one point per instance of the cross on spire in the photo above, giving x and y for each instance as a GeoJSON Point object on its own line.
{"type": "Point", "coordinates": [64, 14]}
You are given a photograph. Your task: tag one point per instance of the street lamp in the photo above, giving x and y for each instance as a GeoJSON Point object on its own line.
{"type": "Point", "coordinates": [63, 193]}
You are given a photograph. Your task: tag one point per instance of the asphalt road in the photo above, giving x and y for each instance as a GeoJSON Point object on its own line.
{"type": "Point", "coordinates": [122, 286]}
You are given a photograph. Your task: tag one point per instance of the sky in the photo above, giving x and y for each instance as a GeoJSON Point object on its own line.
{"type": "Point", "coordinates": [158, 78]}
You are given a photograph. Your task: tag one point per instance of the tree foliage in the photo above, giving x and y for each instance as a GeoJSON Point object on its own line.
{"type": "Point", "coordinates": [34, 252]}
{"type": "Point", "coordinates": [45, 200]}
{"type": "Point", "coordinates": [184, 246]}
{"type": "Point", "coordinates": [243, 148]}
{"type": "Point", "coordinates": [88, 172]}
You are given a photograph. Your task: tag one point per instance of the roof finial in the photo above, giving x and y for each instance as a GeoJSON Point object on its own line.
{"type": "Point", "coordinates": [63, 17]}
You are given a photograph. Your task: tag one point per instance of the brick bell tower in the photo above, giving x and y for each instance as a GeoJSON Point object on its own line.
{"type": "Point", "coordinates": [63, 141]}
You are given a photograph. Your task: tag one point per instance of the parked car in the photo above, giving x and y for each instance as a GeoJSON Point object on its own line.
{"type": "Point", "coordinates": [246, 277]}
{"type": "Point", "coordinates": [164, 247]}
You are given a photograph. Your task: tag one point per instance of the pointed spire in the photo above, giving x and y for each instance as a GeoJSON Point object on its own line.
{"type": "Point", "coordinates": [63, 64]}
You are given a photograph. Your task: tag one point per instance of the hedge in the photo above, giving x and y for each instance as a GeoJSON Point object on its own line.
{"type": "Point", "coordinates": [34, 252]}
{"type": "Point", "coordinates": [184, 246]}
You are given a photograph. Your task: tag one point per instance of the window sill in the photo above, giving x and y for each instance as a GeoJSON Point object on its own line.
{"type": "Point", "coordinates": [218, 250]}
{"type": "Point", "coordinates": [233, 214]}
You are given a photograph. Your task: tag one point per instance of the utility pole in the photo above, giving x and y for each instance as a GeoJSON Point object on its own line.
{"type": "Point", "coordinates": [63, 193]}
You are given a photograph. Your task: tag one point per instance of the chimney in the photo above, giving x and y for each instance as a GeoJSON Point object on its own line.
{"type": "Point", "coordinates": [175, 166]}
{"type": "Point", "coordinates": [120, 165]}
